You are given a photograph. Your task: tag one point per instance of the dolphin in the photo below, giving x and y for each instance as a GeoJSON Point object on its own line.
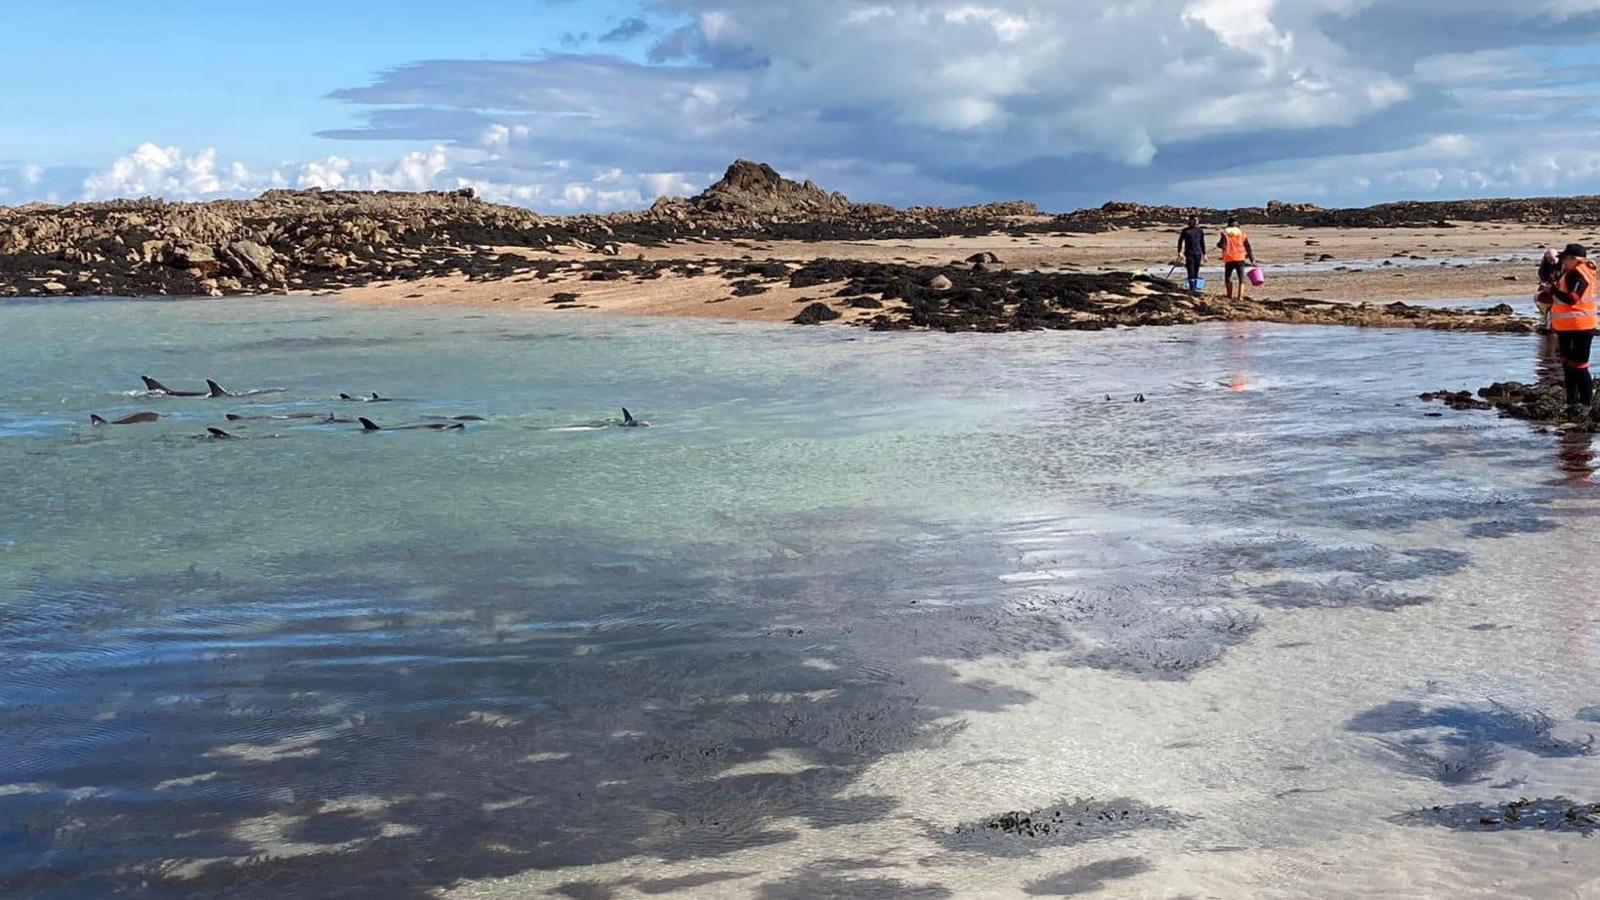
{"type": "Point", "coordinates": [138, 418]}
{"type": "Point", "coordinates": [213, 390]}
{"type": "Point", "coordinates": [368, 425]}
{"type": "Point", "coordinates": [628, 421]}
{"type": "Point", "coordinates": [371, 398]}
{"type": "Point", "coordinates": [217, 434]}
{"type": "Point", "coordinates": [456, 418]}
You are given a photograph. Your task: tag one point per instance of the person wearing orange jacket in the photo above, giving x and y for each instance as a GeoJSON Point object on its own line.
{"type": "Point", "coordinates": [1575, 317]}
{"type": "Point", "coordinates": [1236, 251]}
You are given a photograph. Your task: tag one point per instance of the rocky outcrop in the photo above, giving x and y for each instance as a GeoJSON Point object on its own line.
{"type": "Point", "coordinates": [1408, 214]}
{"type": "Point", "coordinates": [956, 298]}
{"type": "Point", "coordinates": [1544, 403]}
{"type": "Point", "coordinates": [754, 199]}
{"type": "Point", "coordinates": [316, 240]}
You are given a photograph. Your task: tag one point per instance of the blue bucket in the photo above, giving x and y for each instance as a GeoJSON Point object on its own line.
{"type": "Point", "coordinates": [1197, 285]}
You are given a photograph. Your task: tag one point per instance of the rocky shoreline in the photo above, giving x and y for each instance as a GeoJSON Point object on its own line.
{"type": "Point", "coordinates": [1543, 404]}
{"type": "Point", "coordinates": [329, 241]}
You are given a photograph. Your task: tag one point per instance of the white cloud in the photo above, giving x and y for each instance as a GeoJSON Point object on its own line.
{"type": "Point", "coordinates": [558, 186]}
{"type": "Point", "coordinates": [965, 100]}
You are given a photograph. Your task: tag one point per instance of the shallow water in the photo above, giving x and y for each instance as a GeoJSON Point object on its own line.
{"type": "Point", "coordinates": [850, 598]}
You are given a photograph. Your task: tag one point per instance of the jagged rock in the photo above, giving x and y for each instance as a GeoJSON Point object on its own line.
{"type": "Point", "coordinates": [193, 256]}
{"type": "Point", "coordinates": [328, 260]}
{"type": "Point", "coordinates": [985, 258]}
{"type": "Point", "coordinates": [940, 283]}
{"type": "Point", "coordinates": [250, 259]}
{"type": "Point", "coordinates": [54, 287]}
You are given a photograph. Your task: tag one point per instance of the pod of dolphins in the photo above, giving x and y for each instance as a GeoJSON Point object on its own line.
{"type": "Point", "coordinates": [215, 391]}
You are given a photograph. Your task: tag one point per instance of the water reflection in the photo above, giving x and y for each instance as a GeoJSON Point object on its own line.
{"type": "Point", "coordinates": [1575, 457]}
{"type": "Point", "coordinates": [1238, 337]}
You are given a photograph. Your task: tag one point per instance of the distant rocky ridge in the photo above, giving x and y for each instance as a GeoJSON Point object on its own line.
{"type": "Point", "coordinates": [321, 240]}
{"type": "Point", "coordinates": [318, 240]}
{"type": "Point", "coordinates": [1405, 214]}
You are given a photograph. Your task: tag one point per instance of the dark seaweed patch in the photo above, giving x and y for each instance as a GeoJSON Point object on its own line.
{"type": "Point", "coordinates": [1068, 824]}
{"type": "Point", "coordinates": [1556, 814]}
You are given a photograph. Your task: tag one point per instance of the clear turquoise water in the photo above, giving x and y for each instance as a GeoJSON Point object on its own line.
{"type": "Point", "coordinates": [530, 648]}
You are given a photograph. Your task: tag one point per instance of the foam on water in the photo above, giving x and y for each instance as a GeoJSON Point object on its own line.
{"type": "Point", "coordinates": [882, 615]}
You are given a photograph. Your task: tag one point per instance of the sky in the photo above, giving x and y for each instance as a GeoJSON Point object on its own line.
{"type": "Point", "coordinates": [583, 105]}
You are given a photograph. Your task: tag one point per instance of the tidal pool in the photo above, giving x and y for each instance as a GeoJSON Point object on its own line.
{"type": "Point", "coordinates": [859, 615]}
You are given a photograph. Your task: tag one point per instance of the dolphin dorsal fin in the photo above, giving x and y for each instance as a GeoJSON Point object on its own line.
{"type": "Point", "coordinates": [234, 417]}
{"type": "Point", "coordinates": [368, 425]}
{"type": "Point", "coordinates": [627, 417]}
{"type": "Point", "coordinates": [218, 433]}
{"type": "Point", "coordinates": [375, 398]}
{"type": "Point", "coordinates": [346, 397]}
{"type": "Point", "coordinates": [150, 384]}
{"type": "Point", "coordinates": [97, 421]}
{"type": "Point", "coordinates": [216, 389]}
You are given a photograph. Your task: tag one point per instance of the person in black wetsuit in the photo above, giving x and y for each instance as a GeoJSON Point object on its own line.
{"type": "Point", "coordinates": [1192, 247]}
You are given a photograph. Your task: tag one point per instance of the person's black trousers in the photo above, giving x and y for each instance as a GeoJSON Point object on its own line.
{"type": "Point", "coordinates": [1575, 347]}
{"type": "Point", "coordinates": [1191, 264]}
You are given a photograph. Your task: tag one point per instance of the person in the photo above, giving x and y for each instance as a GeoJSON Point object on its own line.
{"type": "Point", "coordinates": [1574, 317]}
{"type": "Point", "coordinates": [1549, 272]}
{"type": "Point", "coordinates": [1236, 251]}
{"type": "Point", "coordinates": [1192, 247]}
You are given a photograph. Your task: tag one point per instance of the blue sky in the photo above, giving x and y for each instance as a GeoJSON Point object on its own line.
{"type": "Point", "coordinates": [571, 105]}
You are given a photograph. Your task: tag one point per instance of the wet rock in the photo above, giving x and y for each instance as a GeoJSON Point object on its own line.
{"type": "Point", "coordinates": [1544, 403]}
{"type": "Point", "coordinates": [1457, 400]}
{"type": "Point", "coordinates": [54, 287]}
{"type": "Point", "coordinates": [816, 314]}
{"type": "Point", "coordinates": [941, 283]}
{"type": "Point", "coordinates": [985, 258]}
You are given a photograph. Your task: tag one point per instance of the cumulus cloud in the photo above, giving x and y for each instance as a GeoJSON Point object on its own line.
{"type": "Point", "coordinates": [915, 101]}
{"type": "Point", "coordinates": [973, 99]}
{"type": "Point", "coordinates": [170, 173]}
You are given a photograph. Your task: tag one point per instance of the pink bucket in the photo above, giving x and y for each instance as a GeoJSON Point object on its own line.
{"type": "Point", "coordinates": [1257, 276]}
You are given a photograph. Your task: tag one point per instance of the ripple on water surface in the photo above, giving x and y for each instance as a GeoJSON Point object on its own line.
{"type": "Point", "coordinates": [840, 612]}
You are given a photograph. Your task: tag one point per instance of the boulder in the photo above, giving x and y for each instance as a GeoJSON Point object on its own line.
{"type": "Point", "coordinates": [328, 260]}
{"type": "Point", "coordinates": [193, 256]}
{"type": "Point", "coordinates": [249, 259]}
{"type": "Point", "coordinates": [56, 287]}
{"type": "Point", "coordinates": [816, 314]}
{"type": "Point", "coordinates": [941, 283]}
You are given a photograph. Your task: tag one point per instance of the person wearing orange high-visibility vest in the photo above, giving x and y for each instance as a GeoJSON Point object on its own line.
{"type": "Point", "coordinates": [1574, 317]}
{"type": "Point", "coordinates": [1236, 251]}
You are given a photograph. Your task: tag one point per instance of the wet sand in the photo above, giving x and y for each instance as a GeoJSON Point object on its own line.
{"type": "Point", "coordinates": [1374, 265]}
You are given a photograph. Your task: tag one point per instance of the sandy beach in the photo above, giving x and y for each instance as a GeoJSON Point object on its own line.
{"type": "Point", "coordinates": [1469, 261]}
